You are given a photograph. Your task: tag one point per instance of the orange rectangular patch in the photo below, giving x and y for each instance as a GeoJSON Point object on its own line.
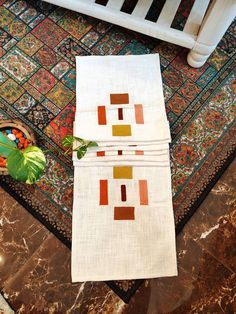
{"type": "Point", "coordinates": [139, 114]}
{"type": "Point", "coordinates": [103, 192]}
{"type": "Point", "coordinates": [122, 172]}
{"type": "Point", "coordinates": [124, 213]}
{"type": "Point", "coordinates": [118, 99]}
{"type": "Point", "coordinates": [101, 153]}
{"type": "Point", "coordinates": [143, 192]}
{"type": "Point", "coordinates": [102, 120]}
{"type": "Point", "coordinates": [121, 130]}
{"type": "Point", "coordinates": [139, 152]}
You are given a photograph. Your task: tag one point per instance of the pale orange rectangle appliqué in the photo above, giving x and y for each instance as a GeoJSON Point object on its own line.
{"type": "Point", "coordinates": [139, 114]}
{"type": "Point", "coordinates": [143, 192]}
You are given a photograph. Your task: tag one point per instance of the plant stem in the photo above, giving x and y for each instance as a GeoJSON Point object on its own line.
{"type": "Point", "coordinates": [81, 146]}
{"type": "Point", "coordinates": [67, 151]}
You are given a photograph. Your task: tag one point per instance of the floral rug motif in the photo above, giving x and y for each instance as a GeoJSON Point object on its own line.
{"type": "Point", "coordinates": [38, 46]}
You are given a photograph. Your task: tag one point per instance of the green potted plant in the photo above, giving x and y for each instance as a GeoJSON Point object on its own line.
{"type": "Point", "coordinates": [19, 157]}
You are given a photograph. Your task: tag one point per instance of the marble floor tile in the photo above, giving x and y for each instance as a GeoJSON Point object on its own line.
{"type": "Point", "coordinates": [43, 285]}
{"type": "Point", "coordinates": [21, 234]}
{"type": "Point", "coordinates": [220, 241]}
{"type": "Point", "coordinates": [213, 225]}
{"type": "Point", "coordinates": [203, 286]}
{"type": "Point", "coordinates": [218, 203]}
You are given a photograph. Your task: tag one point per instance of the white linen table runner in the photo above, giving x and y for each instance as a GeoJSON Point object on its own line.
{"type": "Point", "coordinates": [123, 224]}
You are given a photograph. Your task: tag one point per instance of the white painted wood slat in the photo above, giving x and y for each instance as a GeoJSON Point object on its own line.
{"type": "Point", "coordinates": [115, 4]}
{"type": "Point", "coordinates": [215, 23]}
{"type": "Point", "coordinates": [126, 20]}
{"type": "Point", "coordinates": [196, 16]}
{"type": "Point", "coordinates": [142, 7]}
{"type": "Point", "coordinates": [168, 12]}
{"type": "Point", "coordinates": [202, 40]}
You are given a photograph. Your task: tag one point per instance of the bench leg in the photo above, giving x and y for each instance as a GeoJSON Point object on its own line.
{"type": "Point", "coordinates": [217, 20]}
{"type": "Point", "coordinates": [197, 59]}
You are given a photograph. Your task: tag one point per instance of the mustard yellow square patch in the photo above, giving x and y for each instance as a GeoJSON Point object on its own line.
{"type": "Point", "coordinates": [123, 172]}
{"type": "Point", "coordinates": [121, 130]}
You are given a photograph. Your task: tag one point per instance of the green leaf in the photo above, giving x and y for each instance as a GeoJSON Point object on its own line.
{"type": "Point", "coordinates": [92, 144]}
{"type": "Point", "coordinates": [27, 165]}
{"type": "Point", "coordinates": [79, 139]}
{"type": "Point", "coordinates": [6, 145]}
{"type": "Point", "coordinates": [81, 151]}
{"type": "Point", "coordinates": [68, 141]}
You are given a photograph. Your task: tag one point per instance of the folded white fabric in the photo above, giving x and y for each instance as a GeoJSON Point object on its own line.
{"type": "Point", "coordinates": [120, 99]}
{"type": "Point", "coordinates": [158, 159]}
{"type": "Point", "coordinates": [123, 225]}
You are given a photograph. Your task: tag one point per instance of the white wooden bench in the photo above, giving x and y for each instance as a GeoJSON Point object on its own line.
{"type": "Point", "coordinates": [205, 25]}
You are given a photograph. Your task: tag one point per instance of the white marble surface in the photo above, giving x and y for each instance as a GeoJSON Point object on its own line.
{"type": "Point", "coordinates": [4, 307]}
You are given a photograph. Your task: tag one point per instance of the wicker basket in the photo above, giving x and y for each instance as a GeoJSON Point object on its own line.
{"type": "Point", "coordinates": [4, 124]}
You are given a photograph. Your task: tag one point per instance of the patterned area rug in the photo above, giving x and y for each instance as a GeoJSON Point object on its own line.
{"type": "Point", "coordinates": [37, 85]}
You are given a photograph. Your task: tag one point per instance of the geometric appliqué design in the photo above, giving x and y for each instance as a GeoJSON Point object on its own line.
{"type": "Point", "coordinates": [120, 100]}
{"type": "Point", "coordinates": [122, 209]}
